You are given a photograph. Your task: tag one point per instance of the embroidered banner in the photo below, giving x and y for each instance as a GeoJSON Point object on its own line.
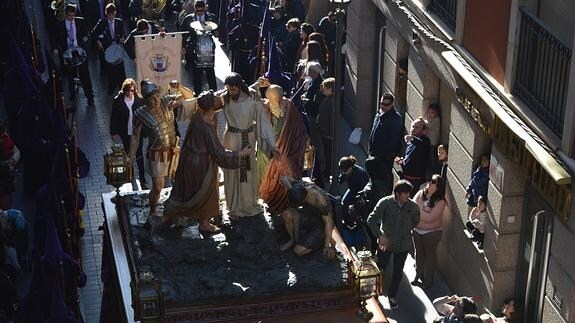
{"type": "Point", "coordinates": [159, 58]}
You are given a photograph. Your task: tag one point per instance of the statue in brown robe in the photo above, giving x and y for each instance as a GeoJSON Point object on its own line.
{"type": "Point", "coordinates": [195, 191]}
{"type": "Point", "coordinates": [291, 142]}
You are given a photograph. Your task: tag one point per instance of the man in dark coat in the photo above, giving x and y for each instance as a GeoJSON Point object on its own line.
{"type": "Point", "coordinates": [73, 33]}
{"type": "Point", "coordinates": [327, 28]}
{"type": "Point", "coordinates": [107, 32]}
{"type": "Point", "coordinates": [291, 44]}
{"type": "Point", "coordinates": [385, 137]}
{"type": "Point", "coordinates": [278, 25]}
{"type": "Point", "coordinates": [416, 159]}
{"type": "Point", "coordinates": [311, 100]}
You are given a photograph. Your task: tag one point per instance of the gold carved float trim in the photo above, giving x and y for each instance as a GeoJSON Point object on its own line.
{"type": "Point", "coordinates": [513, 147]}
{"type": "Point", "coordinates": [473, 112]}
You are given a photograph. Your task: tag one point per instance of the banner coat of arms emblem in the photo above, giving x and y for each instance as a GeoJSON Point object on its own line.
{"type": "Point", "coordinates": [158, 58]}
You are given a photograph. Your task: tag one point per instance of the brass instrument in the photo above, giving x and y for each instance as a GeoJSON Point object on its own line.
{"type": "Point", "coordinates": [187, 8]}
{"type": "Point", "coordinates": [153, 9]}
{"type": "Point", "coordinates": [58, 7]}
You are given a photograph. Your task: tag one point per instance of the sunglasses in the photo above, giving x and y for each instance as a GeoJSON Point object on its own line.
{"type": "Point", "coordinates": [433, 181]}
{"type": "Point", "coordinates": [386, 104]}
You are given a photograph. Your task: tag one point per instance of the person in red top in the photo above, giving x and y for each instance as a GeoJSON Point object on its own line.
{"type": "Point", "coordinates": [10, 153]}
{"type": "Point", "coordinates": [9, 157]}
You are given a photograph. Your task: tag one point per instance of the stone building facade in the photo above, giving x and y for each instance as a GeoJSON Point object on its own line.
{"type": "Point", "coordinates": [469, 62]}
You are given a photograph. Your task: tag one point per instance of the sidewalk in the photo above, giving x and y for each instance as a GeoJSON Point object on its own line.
{"type": "Point", "coordinates": [415, 304]}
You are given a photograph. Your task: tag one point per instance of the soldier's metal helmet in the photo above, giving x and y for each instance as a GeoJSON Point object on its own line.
{"type": "Point", "coordinates": [148, 88]}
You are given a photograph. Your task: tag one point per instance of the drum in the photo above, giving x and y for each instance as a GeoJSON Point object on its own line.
{"type": "Point", "coordinates": [114, 54]}
{"type": "Point", "coordinates": [205, 50]}
{"type": "Point", "coordinates": [74, 56]}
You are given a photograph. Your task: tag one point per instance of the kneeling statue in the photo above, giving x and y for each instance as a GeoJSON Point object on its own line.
{"type": "Point", "coordinates": [309, 219]}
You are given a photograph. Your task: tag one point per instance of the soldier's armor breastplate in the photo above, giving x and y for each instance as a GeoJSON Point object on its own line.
{"type": "Point", "coordinates": [160, 129]}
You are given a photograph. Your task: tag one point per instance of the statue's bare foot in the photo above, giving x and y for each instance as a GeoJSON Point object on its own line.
{"type": "Point", "coordinates": [153, 223]}
{"type": "Point", "coordinates": [287, 245]}
{"type": "Point", "coordinates": [208, 227]}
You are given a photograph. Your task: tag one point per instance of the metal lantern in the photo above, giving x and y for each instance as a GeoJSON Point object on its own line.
{"type": "Point", "coordinates": [117, 169]}
{"type": "Point", "coordinates": [366, 282]}
{"type": "Point", "coordinates": [147, 298]}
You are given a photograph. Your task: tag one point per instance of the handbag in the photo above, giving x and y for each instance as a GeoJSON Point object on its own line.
{"type": "Point", "coordinates": [355, 136]}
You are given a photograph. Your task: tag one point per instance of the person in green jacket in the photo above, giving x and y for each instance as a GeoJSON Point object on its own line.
{"type": "Point", "coordinates": [392, 221]}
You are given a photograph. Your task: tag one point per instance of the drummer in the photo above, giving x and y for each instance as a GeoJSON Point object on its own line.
{"type": "Point", "coordinates": [109, 35]}
{"type": "Point", "coordinates": [201, 15]}
{"type": "Point", "coordinates": [72, 35]}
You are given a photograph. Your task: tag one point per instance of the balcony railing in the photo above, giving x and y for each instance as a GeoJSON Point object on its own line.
{"type": "Point", "coordinates": [542, 71]}
{"type": "Point", "coordinates": [446, 10]}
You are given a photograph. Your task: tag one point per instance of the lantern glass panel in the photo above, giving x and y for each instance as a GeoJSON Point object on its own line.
{"type": "Point", "coordinates": [149, 302]}
{"type": "Point", "coordinates": [150, 309]}
{"type": "Point", "coordinates": [367, 287]}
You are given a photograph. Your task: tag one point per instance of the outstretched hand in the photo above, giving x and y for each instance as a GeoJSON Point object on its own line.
{"type": "Point", "coordinates": [276, 153]}
{"type": "Point", "coordinates": [246, 151]}
{"type": "Point", "coordinates": [329, 252]}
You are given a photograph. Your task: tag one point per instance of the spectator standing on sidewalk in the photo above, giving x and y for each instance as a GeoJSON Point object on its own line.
{"type": "Point", "coordinates": [427, 233]}
{"type": "Point", "coordinates": [325, 126]}
{"type": "Point", "coordinates": [385, 136]}
{"type": "Point", "coordinates": [392, 221]}
{"type": "Point", "coordinates": [416, 159]}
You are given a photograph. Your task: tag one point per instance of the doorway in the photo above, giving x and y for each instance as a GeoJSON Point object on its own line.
{"type": "Point", "coordinates": [535, 245]}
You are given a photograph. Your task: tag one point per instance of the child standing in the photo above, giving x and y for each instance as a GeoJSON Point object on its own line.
{"type": "Point", "coordinates": [433, 119]}
{"type": "Point", "coordinates": [440, 165]}
{"type": "Point", "coordinates": [433, 132]}
{"type": "Point", "coordinates": [476, 221]}
{"type": "Point", "coordinates": [479, 181]}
